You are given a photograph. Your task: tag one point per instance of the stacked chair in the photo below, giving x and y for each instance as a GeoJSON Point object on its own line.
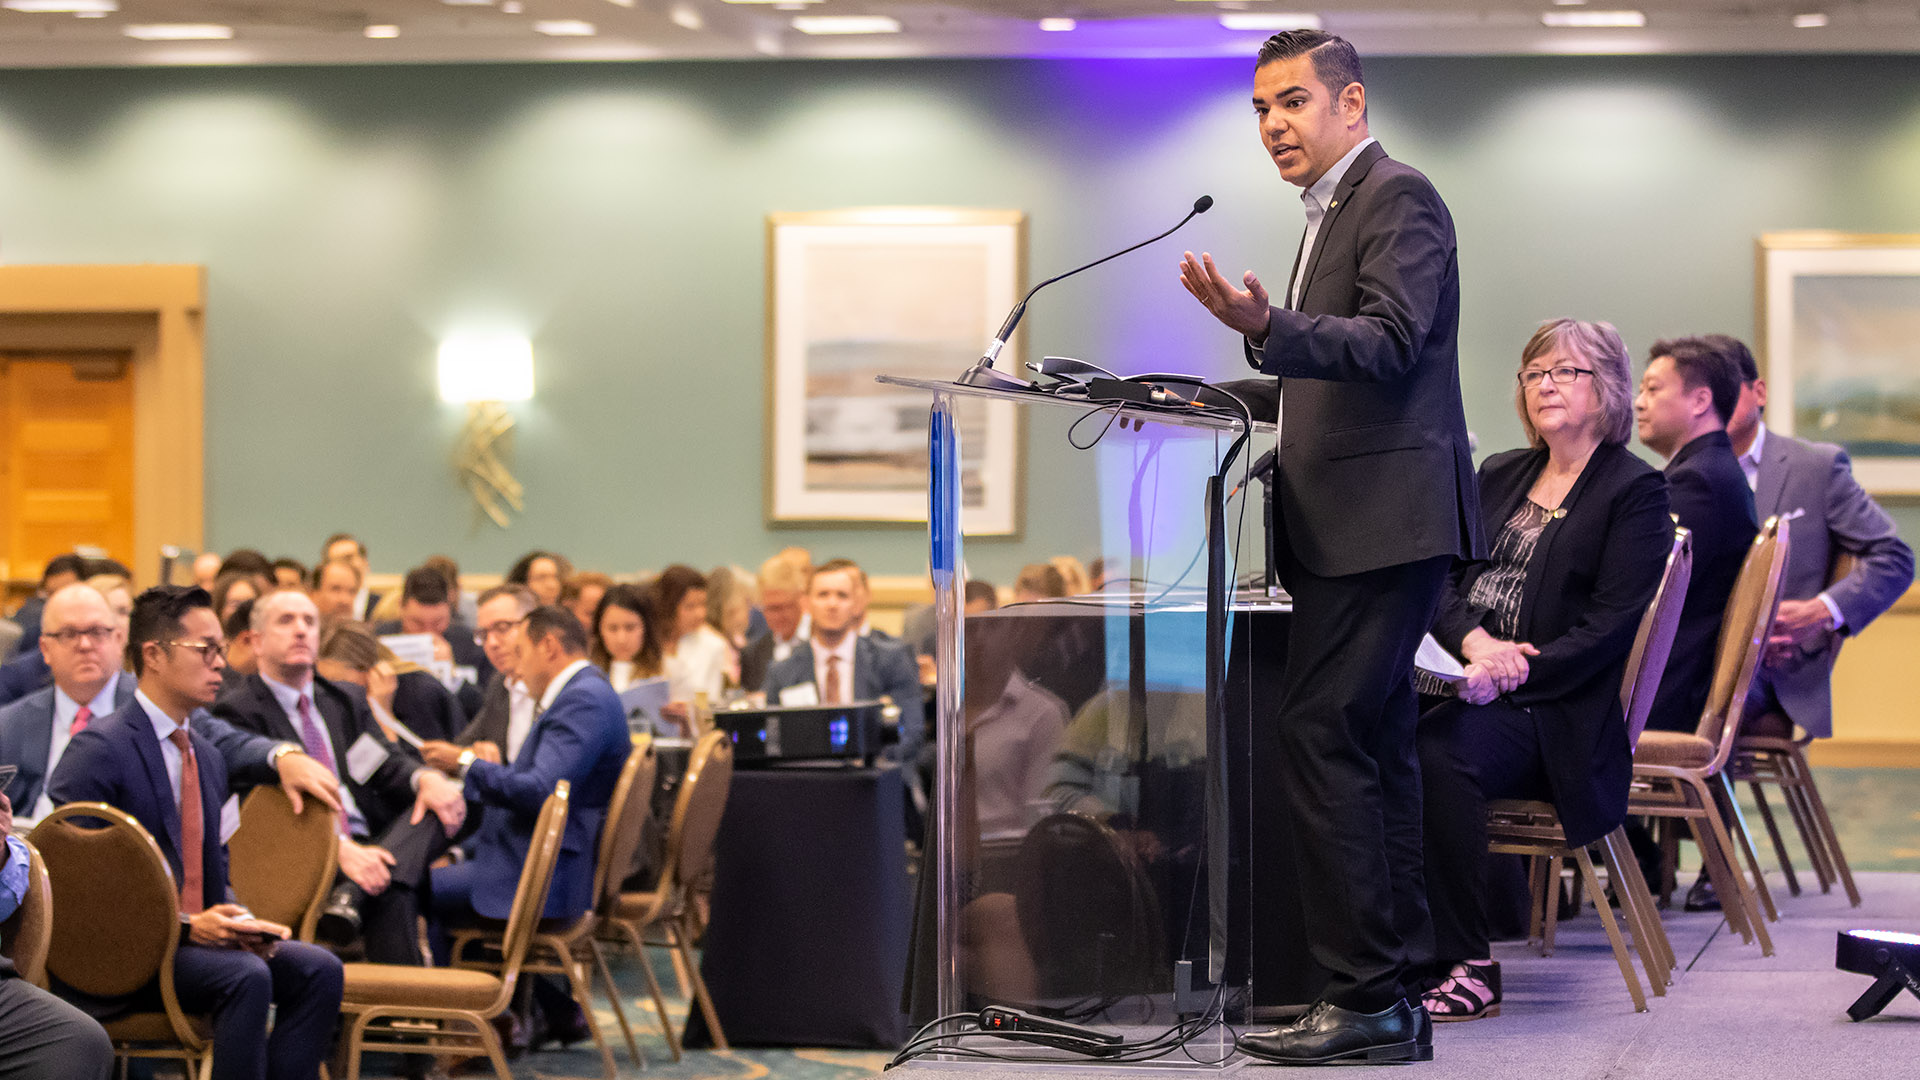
{"type": "Point", "coordinates": [1682, 776]}
{"type": "Point", "coordinates": [1530, 828]}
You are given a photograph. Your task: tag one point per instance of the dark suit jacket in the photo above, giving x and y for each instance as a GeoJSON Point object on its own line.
{"type": "Point", "coordinates": [117, 761]}
{"type": "Point", "coordinates": [26, 739]}
{"type": "Point", "coordinates": [22, 675]}
{"type": "Point", "coordinates": [755, 660]}
{"type": "Point", "coordinates": [489, 723]}
{"type": "Point", "coordinates": [1374, 467]}
{"type": "Point", "coordinates": [1709, 495]}
{"type": "Point", "coordinates": [879, 667]}
{"type": "Point", "coordinates": [581, 738]}
{"type": "Point", "coordinates": [1835, 515]}
{"type": "Point", "coordinates": [429, 709]}
{"type": "Point", "coordinates": [1592, 575]}
{"type": "Point", "coordinates": [387, 793]}
{"type": "Point", "coordinates": [28, 619]}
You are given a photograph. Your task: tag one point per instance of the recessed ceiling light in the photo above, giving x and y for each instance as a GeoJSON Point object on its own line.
{"type": "Point", "coordinates": [511, 7]}
{"type": "Point", "coordinates": [1057, 26]}
{"type": "Point", "coordinates": [846, 24]}
{"type": "Point", "coordinates": [1587, 20]}
{"type": "Point", "coordinates": [621, 3]}
{"type": "Point", "coordinates": [179, 32]}
{"type": "Point", "coordinates": [564, 28]}
{"type": "Point", "coordinates": [776, 3]}
{"type": "Point", "coordinates": [468, 3]}
{"type": "Point", "coordinates": [1569, 3]}
{"type": "Point", "coordinates": [91, 14]}
{"type": "Point", "coordinates": [686, 17]}
{"type": "Point", "coordinates": [64, 7]}
{"type": "Point", "coordinates": [1810, 21]}
{"type": "Point", "coordinates": [1277, 21]}
{"type": "Point", "coordinates": [380, 30]}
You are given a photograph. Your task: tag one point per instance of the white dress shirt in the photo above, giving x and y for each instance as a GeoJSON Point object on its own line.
{"type": "Point", "coordinates": [163, 729]}
{"type": "Point", "coordinates": [560, 682]}
{"type": "Point", "coordinates": [843, 653]}
{"type": "Point", "coordinates": [64, 710]}
{"type": "Point", "coordinates": [1750, 464]}
{"type": "Point", "coordinates": [520, 706]}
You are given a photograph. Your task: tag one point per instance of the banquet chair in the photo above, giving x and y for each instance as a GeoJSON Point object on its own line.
{"type": "Point", "coordinates": [282, 864]}
{"type": "Point", "coordinates": [26, 934]}
{"type": "Point", "coordinates": [402, 1009]}
{"type": "Point", "coordinates": [118, 928]}
{"type": "Point", "coordinates": [1681, 776]}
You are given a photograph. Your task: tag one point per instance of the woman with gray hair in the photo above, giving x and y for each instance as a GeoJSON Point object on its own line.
{"type": "Point", "coordinates": [1580, 535]}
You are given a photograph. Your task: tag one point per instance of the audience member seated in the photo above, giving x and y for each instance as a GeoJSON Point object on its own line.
{"type": "Point", "coordinates": [426, 607]}
{"type": "Point", "coordinates": [206, 569]}
{"type": "Point", "coordinates": [465, 605]}
{"type": "Point", "coordinates": [346, 547]}
{"type": "Point", "coordinates": [783, 596]}
{"type": "Point", "coordinates": [289, 573]}
{"type": "Point", "coordinates": [336, 584]}
{"type": "Point", "coordinates": [1788, 475]}
{"type": "Point", "coordinates": [543, 572]}
{"type": "Point", "coordinates": [41, 1037]}
{"type": "Point", "coordinates": [498, 730]}
{"type": "Point", "coordinates": [697, 659]}
{"type": "Point", "coordinates": [582, 592]}
{"type": "Point", "coordinates": [623, 647]}
{"type": "Point", "coordinates": [151, 760]}
{"type": "Point", "coordinates": [836, 665]}
{"type": "Point", "coordinates": [60, 572]}
{"type": "Point", "coordinates": [862, 603]}
{"type": "Point", "coordinates": [249, 562]}
{"type": "Point", "coordinates": [921, 631]}
{"type": "Point", "coordinates": [580, 737]}
{"type": "Point", "coordinates": [29, 672]}
{"type": "Point", "coordinates": [730, 603]}
{"type": "Point", "coordinates": [1038, 581]}
{"type": "Point", "coordinates": [1580, 535]}
{"type": "Point", "coordinates": [384, 851]}
{"type": "Point", "coordinates": [241, 661]}
{"type": "Point", "coordinates": [400, 694]}
{"type": "Point", "coordinates": [1073, 575]}
{"type": "Point", "coordinates": [233, 588]}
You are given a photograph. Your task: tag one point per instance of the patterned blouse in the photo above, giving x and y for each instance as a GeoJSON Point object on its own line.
{"type": "Point", "coordinates": [1498, 590]}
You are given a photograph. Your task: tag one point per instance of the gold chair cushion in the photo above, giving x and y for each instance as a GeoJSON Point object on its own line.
{"type": "Point", "coordinates": [151, 1027]}
{"type": "Point", "coordinates": [1767, 725]}
{"type": "Point", "coordinates": [1676, 749]}
{"type": "Point", "coordinates": [432, 988]}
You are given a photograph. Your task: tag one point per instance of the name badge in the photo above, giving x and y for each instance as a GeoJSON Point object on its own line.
{"type": "Point", "coordinates": [365, 757]}
{"type": "Point", "coordinates": [800, 694]}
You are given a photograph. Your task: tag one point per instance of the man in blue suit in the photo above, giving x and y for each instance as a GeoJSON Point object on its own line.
{"type": "Point", "coordinates": [579, 735]}
{"type": "Point", "coordinates": [836, 665]}
{"type": "Point", "coordinates": [150, 760]}
{"type": "Point", "coordinates": [82, 646]}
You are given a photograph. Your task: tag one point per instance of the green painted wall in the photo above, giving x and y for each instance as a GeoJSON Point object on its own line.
{"type": "Point", "coordinates": [348, 217]}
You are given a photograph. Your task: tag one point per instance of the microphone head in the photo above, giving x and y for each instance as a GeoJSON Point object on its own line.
{"type": "Point", "coordinates": [1203, 204]}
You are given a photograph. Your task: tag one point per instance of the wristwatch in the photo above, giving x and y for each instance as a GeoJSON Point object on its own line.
{"type": "Point", "coordinates": [467, 758]}
{"type": "Point", "coordinates": [281, 750]}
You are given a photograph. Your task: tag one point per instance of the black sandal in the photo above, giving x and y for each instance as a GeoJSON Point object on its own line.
{"type": "Point", "coordinates": [1469, 992]}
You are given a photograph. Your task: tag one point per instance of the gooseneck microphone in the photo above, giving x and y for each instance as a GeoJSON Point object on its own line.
{"type": "Point", "coordinates": [982, 373]}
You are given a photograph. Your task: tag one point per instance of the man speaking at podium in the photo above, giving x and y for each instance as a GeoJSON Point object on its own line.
{"type": "Point", "coordinates": [1375, 498]}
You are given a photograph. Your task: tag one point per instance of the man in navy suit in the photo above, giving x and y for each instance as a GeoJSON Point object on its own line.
{"type": "Point", "coordinates": [150, 760]}
{"type": "Point", "coordinates": [835, 664]}
{"type": "Point", "coordinates": [82, 645]}
{"type": "Point", "coordinates": [579, 735]}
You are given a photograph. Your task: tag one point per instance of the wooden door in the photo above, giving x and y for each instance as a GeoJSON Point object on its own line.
{"type": "Point", "coordinates": [66, 425]}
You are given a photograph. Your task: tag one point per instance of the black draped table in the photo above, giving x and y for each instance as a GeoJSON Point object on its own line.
{"type": "Point", "coordinates": [807, 940]}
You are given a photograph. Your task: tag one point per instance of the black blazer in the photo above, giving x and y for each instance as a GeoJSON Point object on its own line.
{"type": "Point", "coordinates": [429, 709]}
{"type": "Point", "coordinates": [489, 722]}
{"type": "Point", "coordinates": [387, 793]}
{"type": "Point", "coordinates": [755, 660]}
{"type": "Point", "coordinates": [1592, 575]}
{"type": "Point", "coordinates": [1374, 467]}
{"type": "Point", "coordinates": [1710, 496]}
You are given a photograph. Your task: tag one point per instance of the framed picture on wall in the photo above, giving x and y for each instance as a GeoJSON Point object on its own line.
{"type": "Point", "coordinates": [852, 294]}
{"type": "Point", "coordinates": [1839, 326]}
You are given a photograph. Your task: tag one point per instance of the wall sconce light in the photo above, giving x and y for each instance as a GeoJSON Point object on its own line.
{"type": "Point", "coordinates": [484, 372]}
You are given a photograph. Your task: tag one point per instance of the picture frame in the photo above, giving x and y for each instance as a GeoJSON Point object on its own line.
{"type": "Point", "coordinates": [1839, 344]}
{"type": "Point", "coordinates": [856, 293]}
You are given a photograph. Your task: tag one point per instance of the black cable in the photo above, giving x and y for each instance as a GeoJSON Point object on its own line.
{"type": "Point", "coordinates": [1112, 416]}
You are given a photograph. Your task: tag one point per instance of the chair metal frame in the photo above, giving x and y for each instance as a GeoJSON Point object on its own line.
{"type": "Point", "coordinates": [568, 946]}
{"type": "Point", "coordinates": [1695, 794]}
{"type": "Point", "coordinates": [670, 906]}
{"type": "Point", "coordinates": [193, 1042]}
{"type": "Point", "coordinates": [1525, 827]}
{"type": "Point", "coordinates": [403, 1028]}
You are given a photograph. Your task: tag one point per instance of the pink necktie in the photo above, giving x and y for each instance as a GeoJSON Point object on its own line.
{"type": "Point", "coordinates": [192, 827]}
{"type": "Point", "coordinates": [80, 720]}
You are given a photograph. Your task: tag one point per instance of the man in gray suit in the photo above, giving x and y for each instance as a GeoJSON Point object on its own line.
{"type": "Point", "coordinates": [836, 665]}
{"type": "Point", "coordinates": [1813, 484]}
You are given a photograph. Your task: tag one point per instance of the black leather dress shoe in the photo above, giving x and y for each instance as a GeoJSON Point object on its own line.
{"type": "Point", "coordinates": [1328, 1033]}
{"type": "Point", "coordinates": [1702, 897]}
{"type": "Point", "coordinates": [1422, 1032]}
{"type": "Point", "coordinates": [339, 923]}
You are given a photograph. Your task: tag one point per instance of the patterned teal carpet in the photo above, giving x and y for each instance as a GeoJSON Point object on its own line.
{"type": "Point", "coordinates": [1876, 812]}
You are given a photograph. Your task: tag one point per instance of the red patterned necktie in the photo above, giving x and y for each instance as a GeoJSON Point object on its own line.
{"type": "Point", "coordinates": [192, 826]}
{"type": "Point", "coordinates": [80, 720]}
{"type": "Point", "coordinates": [833, 681]}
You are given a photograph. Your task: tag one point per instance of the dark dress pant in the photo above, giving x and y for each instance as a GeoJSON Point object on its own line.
{"type": "Point", "coordinates": [1349, 774]}
{"type": "Point", "coordinates": [44, 1038]}
{"type": "Point", "coordinates": [389, 922]}
{"type": "Point", "coordinates": [234, 987]}
{"type": "Point", "coordinates": [1470, 755]}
